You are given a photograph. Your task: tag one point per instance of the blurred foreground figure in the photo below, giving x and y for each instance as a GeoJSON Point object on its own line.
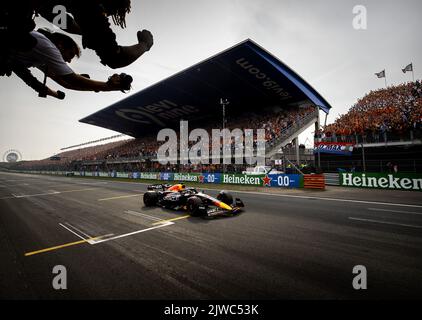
{"type": "Point", "coordinates": [50, 55]}
{"type": "Point", "coordinates": [89, 18]}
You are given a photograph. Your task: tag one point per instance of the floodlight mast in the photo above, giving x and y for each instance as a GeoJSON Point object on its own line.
{"type": "Point", "coordinates": [224, 102]}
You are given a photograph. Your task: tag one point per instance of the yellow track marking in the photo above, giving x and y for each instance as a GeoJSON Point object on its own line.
{"type": "Point", "coordinates": [61, 246]}
{"type": "Point", "coordinates": [121, 197]}
{"type": "Point", "coordinates": [174, 219]}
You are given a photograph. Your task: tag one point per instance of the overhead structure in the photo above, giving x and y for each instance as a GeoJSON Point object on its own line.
{"type": "Point", "coordinates": [247, 75]}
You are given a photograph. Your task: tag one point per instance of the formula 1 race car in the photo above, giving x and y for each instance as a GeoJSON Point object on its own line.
{"type": "Point", "coordinates": [178, 197]}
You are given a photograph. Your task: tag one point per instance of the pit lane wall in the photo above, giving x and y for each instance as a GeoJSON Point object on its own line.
{"type": "Point", "coordinates": [386, 181]}
{"type": "Point", "coordinates": [270, 180]}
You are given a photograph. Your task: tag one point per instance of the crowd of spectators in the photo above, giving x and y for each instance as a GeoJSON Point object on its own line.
{"type": "Point", "coordinates": [276, 123]}
{"type": "Point", "coordinates": [384, 114]}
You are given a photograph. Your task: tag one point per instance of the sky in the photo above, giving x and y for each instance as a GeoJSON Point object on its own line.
{"type": "Point", "coordinates": [316, 38]}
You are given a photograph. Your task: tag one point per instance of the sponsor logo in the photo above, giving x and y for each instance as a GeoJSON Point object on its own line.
{"type": "Point", "coordinates": [266, 181]}
{"type": "Point", "coordinates": [334, 148]}
{"type": "Point", "coordinates": [156, 113]}
{"type": "Point", "coordinates": [241, 179]}
{"type": "Point", "coordinates": [267, 82]}
{"type": "Point", "coordinates": [12, 156]}
{"type": "Point", "coordinates": [185, 177]}
{"type": "Point", "coordinates": [148, 175]}
{"type": "Point", "coordinates": [382, 181]}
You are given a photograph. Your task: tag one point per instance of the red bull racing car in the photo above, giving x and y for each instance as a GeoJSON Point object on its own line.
{"type": "Point", "coordinates": [179, 197]}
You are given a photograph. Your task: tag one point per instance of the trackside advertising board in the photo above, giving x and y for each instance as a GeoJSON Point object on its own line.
{"type": "Point", "coordinates": [270, 180]}
{"type": "Point", "coordinates": [388, 181]}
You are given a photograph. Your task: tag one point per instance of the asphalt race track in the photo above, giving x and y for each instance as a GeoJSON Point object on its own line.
{"type": "Point", "coordinates": [292, 245]}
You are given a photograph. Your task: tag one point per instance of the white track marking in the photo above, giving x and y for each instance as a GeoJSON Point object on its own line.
{"type": "Point", "coordinates": [121, 197]}
{"type": "Point", "coordinates": [73, 232]}
{"type": "Point", "coordinates": [135, 213]}
{"type": "Point", "coordinates": [48, 193]}
{"type": "Point", "coordinates": [80, 237]}
{"type": "Point", "coordinates": [395, 211]}
{"type": "Point", "coordinates": [14, 185]}
{"type": "Point", "coordinates": [133, 233]}
{"type": "Point", "coordinates": [36, 195]}
{"type": "Point", "coordinates": [91, 183]}
{"type": "Point", "coordinates": [386, 222]}
{"type": "Point", "coordinates": [78, 230]}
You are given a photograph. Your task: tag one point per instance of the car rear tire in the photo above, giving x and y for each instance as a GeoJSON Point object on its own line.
{"type": "Point", "coordinates": [193, 206]}
{"type": "Point", "coordinates": [150, 198]}
{"type": "Point", "coordinates": [225, 197]}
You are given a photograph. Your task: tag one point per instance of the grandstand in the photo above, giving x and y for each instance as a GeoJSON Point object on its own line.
{"type": "Point", "coordinates": [264, 93]}
{"type": "Point", "coordinates": [141, 153]}
{"type": "Point", "coordinates": [385, 127]}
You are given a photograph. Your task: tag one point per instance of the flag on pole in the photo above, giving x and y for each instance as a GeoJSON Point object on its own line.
{"type": "Point", "coordinates": [380, 74]}
{"type": "Point", "coordinates": [408, 68]}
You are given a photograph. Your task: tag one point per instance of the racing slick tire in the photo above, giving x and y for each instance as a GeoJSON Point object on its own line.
{"type": "Point", "coordinates": [226, 197]}
{"type": "Point", "coordinates": [193, 206]}
{"type": "Point", "coordinates": [150, 198]}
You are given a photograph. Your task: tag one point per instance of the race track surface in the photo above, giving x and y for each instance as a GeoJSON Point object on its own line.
{"type": "Point", "coordinates": [292, 245]}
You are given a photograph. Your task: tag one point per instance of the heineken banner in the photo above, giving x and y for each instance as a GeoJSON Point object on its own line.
{"type": "Point", "coordinates": [339, 148]}
{"type": "Point", "coordinates": [186, 177]}
{"type": "Point", "coordinates": [148, 175]}
{"type": "Point", "coordinates": [271, 180]}
{"type": "Point", "coordinates": [244, 179]}
{"type": "Point", "coordinates": [397, 181]}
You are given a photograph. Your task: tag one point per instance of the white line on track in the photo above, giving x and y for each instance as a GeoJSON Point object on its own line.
{"type": "Point", "coordinates": [90, 183]}
{"type": "Point", "coordinates": [395, 211]}
{"type": "Point", "coordinates": [14, 196]}
{"type": "Point", "coordinates": [133, 233]}
{"type": "Point", "coordinates": [386, 222]}
{"type": "Point", "coordinates": [135, 213]}
{"type": "Point", "coordinates": [14, 185]}
{"type": "Point", "coordinates": [78, 230]}
{"type": "Point", "coordinates": [73, 232]}
{"type": "Point", "coordinates": [36, 195]}
{"type": "Point", "coordinates": [79, 236]}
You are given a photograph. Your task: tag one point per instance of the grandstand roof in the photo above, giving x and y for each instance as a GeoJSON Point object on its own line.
{"type": "Point", "coordinates": [246, 74]}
